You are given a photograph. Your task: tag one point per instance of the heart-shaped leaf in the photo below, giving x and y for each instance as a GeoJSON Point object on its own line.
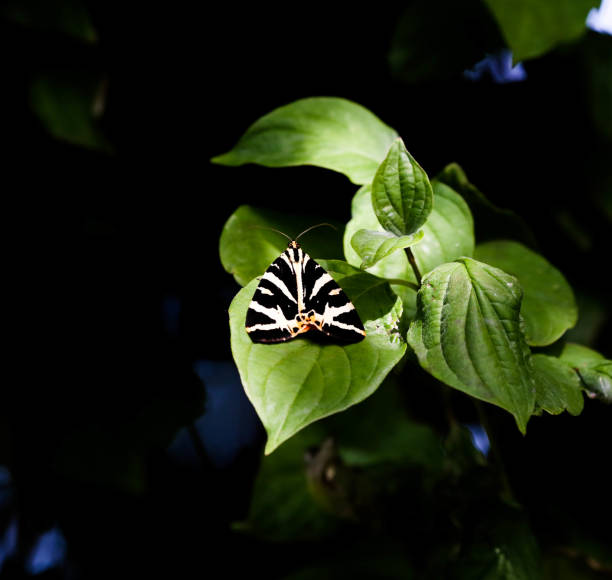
{"type": "Point", "coordinates": [328, 132]}
{"type": "Point", "coordinates": [467, 334]}
{"type": "Point", "coordinates": [401, 192]}
{"type": "Point", "coordinates": [557, 386]}
{"type": "Point", "coordinates": [373, 245]}
{"type": "Point", "coordinates": [548, 307]}
{"type": "Point", "coordinates": [246, 249]}
{"type": "Point", "coordinates": [295, 383]}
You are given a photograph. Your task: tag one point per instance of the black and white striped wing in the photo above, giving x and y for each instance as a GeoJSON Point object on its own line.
{"type": "Point", "coordinates": [334, 313]}
{"type": "Point", "coordinates": [274, 308]}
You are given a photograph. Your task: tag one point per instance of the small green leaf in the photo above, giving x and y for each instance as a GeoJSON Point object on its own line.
{"type": "Point", "coordinates": [363, 217]}
{"type": "Point", "coordinates": [534, 27]}
{"type": "Point", "coordinates": [296, 383]}
{"type": "Point", "coordinates": [593, 368]}
{"type": "Point", "coordinates": [549, 307]}
{"type": "Point", "coordinates": [327, 132]}
{"type": "Point", "coordinates": [374, 245]}
{"type": "Point", "coordinates": [467, 334]}
{"type": "Point", "coordinates": [401, 192]}
{"type": "Point", "coordinates": [557, 386]}
{"type": "Point", "coordinates": [246, 250]}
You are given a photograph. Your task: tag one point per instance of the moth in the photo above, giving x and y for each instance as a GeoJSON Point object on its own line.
{"type": "Point", "coordinates": [296, 295]}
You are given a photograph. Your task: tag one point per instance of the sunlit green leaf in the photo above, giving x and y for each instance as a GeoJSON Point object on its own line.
{"type": "Point", "coordinates": [467, 334]}
{"type": "Point", "coordinates": [374, 245]}
{"type": "Point", "coordinates": [548, 307]}
{"type": "Point", "coordinates": [328, 132]}
{"type": "Point", "coordinates": [401, 192]}
{"type": "Point", "coordinates": [557, 386]}
{"type": "Point", "coordinates": [533, 27]}
{"type": "Point", "coordinates": [246, 249]}
{"type": "Point", "coordinates": [293, 384]}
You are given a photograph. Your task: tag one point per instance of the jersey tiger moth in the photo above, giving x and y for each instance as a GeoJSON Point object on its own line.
{"type": "Point", "coordinates": [296, 295]}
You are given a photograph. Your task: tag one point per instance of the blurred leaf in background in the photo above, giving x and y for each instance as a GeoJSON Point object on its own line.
{"type": "Point", "coordinates": [69, 17]}
{"type": "Point", "coordinates": [533, 27]}
{"type": "Point", "coordinates": [69, 104]}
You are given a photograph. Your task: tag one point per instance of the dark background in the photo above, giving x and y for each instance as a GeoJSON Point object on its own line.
{"type": "Point", "coordinates": [116, 290]}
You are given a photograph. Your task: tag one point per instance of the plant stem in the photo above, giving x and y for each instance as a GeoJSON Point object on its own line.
{"type": "Point", "coordinates": [413, 263]}
{"type": "Point", "coordinates": [400, 282]}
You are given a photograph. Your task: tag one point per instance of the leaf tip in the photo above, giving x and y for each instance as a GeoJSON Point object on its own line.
{"type": "Point", "coordinates": [225, 159]}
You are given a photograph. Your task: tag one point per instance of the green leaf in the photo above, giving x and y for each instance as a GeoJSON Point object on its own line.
{"type": "Point", "coordinates": [467, 334]}
{"type": "Point", "coordinates": [68, 106]}
{"type": "Point", "coordinates": [557, 386]}
{"type": "Point", "coordinates": [534, 27]}
{"type": "Point", "coordinates": [374, 245]}
{"type": "Point", "coordinates": [549, 307]}
{"type": "Point", "coordinates": [293, 384]}
{"type": "Point", "coordinates": [401, 192]}
{"type": "Point", "coordinates": [246, 250]}
{"type": "Point", "coordinates": [491, 222]}
{"type": "Point", "coordinates": [327, 132]}
{"type": "Point", "coordinates": [449, 230]}
{"type": "Point", "coordinates": [593, 368]}
{"type": "Point", "coordinates": [447, 234]}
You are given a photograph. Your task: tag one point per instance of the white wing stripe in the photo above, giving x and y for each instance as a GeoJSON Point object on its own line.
{"type": "Point", "coordinates": [321, 281]}
{"type": "Point", "coordinates": [275, 314]}
{"type": "Point", "coordinates": [279, 284]}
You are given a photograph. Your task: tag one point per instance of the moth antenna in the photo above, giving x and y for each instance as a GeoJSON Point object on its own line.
{"type": "Point", "coordinates": [272, 230]}
{"type": "Point", "coordinates": [313, 227]}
